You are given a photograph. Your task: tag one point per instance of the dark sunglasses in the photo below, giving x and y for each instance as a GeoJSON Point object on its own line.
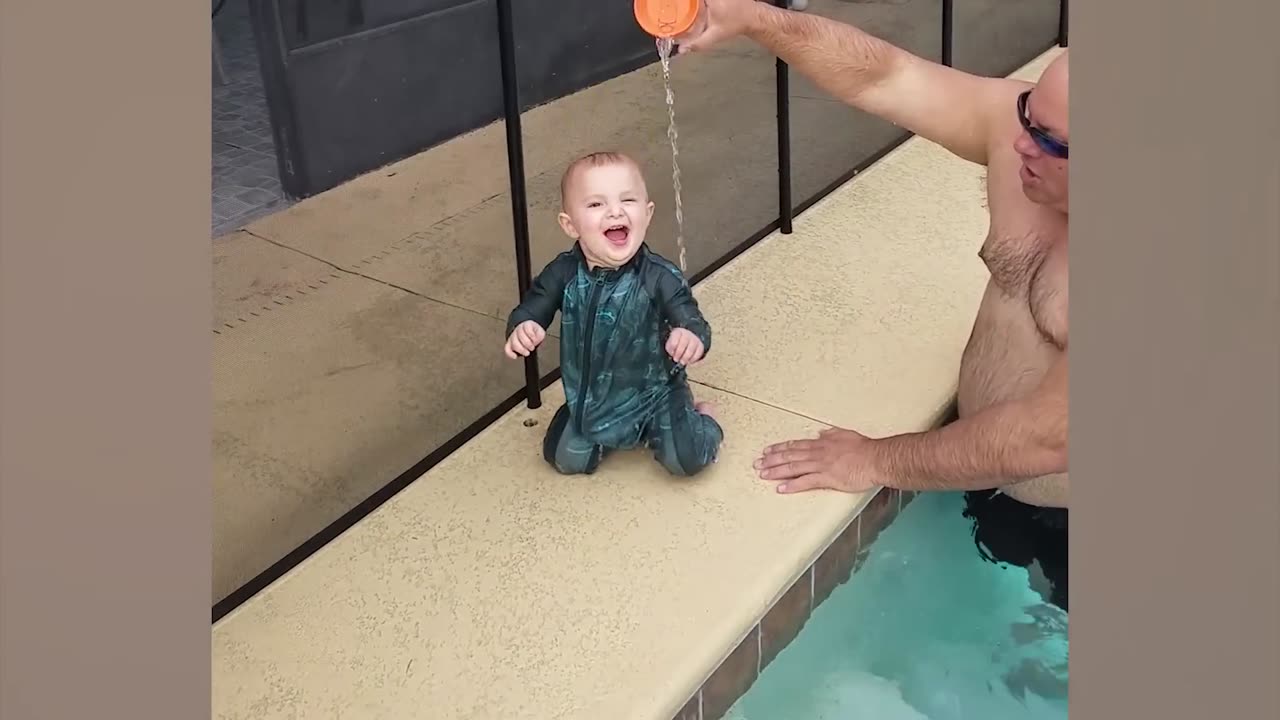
{"type": "Point", "coordinates": [1047, 142]}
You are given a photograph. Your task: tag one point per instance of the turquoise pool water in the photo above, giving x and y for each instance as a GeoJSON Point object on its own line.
{"type": "Point", "coordinates": [926, 629]}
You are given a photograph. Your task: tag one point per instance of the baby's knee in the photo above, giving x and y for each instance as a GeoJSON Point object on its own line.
{"type": "Point", "coordinates": [687, 455]}
{"type": "Point", "coordinates": [575, 465]}
{"type": "Point", "coordinates": [569, 460]}
{"type": "Point", "coordinates": [685, 467]}
{"type": "Point", "coordinates": [567, 453]}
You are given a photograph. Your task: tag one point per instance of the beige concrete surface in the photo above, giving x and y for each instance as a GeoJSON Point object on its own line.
{"type": "Point", "coordinates": [381, 376]}
{"type": "Point", "coordinates": [293, 291]}
{"type": "Point", "coordinates": [875, 292]}
{"type": "Point", "coordinates": [252, 277]}
{"type": "Point", "coordinates": [495, 588]}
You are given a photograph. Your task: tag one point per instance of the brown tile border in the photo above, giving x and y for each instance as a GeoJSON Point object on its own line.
{"type": "Point", "coordinates": [692, 710]}
{"type": "Point", "coordinates": [788, 615]}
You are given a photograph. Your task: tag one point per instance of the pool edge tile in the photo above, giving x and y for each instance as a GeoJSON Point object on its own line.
{"type": "Point", "coordinates": [733, 678]}
{"type": "Point", "coordinates": [879, 513]}
{"type": "Point", "coordinates": [692, 710]}
{"type": "Point", "coordinates": [835, 564]}
{"type": "Point", "coordinates": [784, 621]}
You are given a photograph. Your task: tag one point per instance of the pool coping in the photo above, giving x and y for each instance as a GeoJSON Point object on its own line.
{"type": "Point", "coordinates": [708, 694]}
{"type": "Point", "coordinates": [837, 564]}
{"type": "Point", "coordinates": [702, 687]}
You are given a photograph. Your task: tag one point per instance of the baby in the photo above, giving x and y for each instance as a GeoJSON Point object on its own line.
{"type": "Point", "coordinates": [629, 325]}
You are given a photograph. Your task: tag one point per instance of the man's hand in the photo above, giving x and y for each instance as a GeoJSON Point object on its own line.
{"type": "Point", "coordinates": [526, 338]}
{"type": "Point", "coordinates": [837, 460]}
{"type": "Point", "coordinates": [718, 20]}
{"type": "Point", "coordinates": [684, 347]}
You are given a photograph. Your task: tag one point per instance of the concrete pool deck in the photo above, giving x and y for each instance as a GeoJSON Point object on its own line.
{"type": "Point", "coordinates": [494, 588]}
{"type": "Point", "coordinates": [338, 323]}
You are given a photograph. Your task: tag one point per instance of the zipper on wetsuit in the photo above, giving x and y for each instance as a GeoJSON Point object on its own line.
{"type": "Point", "coordinates": [597, 282]}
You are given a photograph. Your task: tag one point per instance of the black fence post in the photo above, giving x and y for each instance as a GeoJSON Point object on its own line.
{"type": "Point", "coordinates": [515, 168]}
{"type": "Point", "coordinates": [1063, 8]}
{"type": "Point", "coordinates": [948, 30]}
{"type": "Point", "coordinates": [783, 91]}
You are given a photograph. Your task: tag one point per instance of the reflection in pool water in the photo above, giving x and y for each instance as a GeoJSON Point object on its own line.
{"type": "Point", "coordinates": [926, 629]}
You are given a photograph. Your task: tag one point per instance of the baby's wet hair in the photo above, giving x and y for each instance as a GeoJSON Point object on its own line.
{"type": "Point", "coordinates": [601, 158]}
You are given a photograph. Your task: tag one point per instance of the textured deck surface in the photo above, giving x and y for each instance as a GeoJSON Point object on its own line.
{"type": "Point", "coordinates": [494, 588]}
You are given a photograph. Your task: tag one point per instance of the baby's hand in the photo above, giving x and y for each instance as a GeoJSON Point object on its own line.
{"type": "Point", "coordinates": [684, 347]}
{"type": "Point", "coordinates": [526, 338]}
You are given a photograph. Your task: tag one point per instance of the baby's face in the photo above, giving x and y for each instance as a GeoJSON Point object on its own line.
{"type": "Point", "coordinates": [607, 210]}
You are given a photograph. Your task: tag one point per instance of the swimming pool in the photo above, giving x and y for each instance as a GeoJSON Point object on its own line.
{"type": "Point", "coordinates": [926, 628]}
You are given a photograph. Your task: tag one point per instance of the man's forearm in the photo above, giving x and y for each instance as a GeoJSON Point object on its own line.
{"type": "Point", "coordinates": [839, 58]}
{"type": "Point", "coordinates": [1001, 445]}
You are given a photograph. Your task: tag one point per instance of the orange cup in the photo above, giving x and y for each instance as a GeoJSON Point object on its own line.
{"type": "Point", "coordinates": [666, 18]}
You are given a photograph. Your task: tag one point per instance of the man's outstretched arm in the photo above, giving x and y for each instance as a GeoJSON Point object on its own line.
{"type": "Point", "coordinates": [942, 104]}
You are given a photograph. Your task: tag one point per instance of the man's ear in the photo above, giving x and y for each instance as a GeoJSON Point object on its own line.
{"type": "Point", "coordinates": [650, 207]}
{"type": "Point", "coordinates": [566, 224]}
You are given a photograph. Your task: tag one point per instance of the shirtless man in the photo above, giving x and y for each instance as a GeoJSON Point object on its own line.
{"type": "Point", "coordinates": [1011, 433]}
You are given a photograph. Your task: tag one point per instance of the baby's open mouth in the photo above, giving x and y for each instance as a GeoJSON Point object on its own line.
{"type": "Point", "coordinates": [617, 234]}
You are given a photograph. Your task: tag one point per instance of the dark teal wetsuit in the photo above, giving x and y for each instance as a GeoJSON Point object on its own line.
{"type": "Point", "coordinates": [622, 389]}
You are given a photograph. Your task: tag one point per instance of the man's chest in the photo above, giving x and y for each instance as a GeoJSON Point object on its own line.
{"type": "Point", "coordinates": [1026, 254]}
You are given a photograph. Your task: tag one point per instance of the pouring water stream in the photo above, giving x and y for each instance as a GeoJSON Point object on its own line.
{"type": "Point", "coordinates": [665, 47]}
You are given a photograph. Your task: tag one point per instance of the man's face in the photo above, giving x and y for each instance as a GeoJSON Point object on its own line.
{"type": "Point", "coordinates": [607, 210]}
{"type": "Point", "coordinates": [1042, 144]}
